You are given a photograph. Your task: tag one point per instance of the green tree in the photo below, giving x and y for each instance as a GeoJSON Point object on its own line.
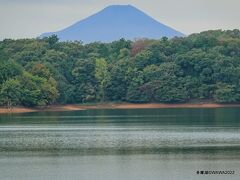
{"type": "Point", "coordinates": [135, 93]}
{"type": "Point", "coordinates": [37, 91]}
{"type": "Point", "coordinates": [226, 93]}
{"type": "Point", "coordinates": [10, 93]}
{"type": "Point", "coordinates": [85, 80]}
{"type": "Point", "coordinates": [102, 75]}
{"type": "Point", "coordinates": [116, 89]}
{"type": "Point", "coordinates": [9, 70]}
{"type": "Point", "coordinates": [52, 40]}
{"type": "Point", "coordinates": [41, 71]}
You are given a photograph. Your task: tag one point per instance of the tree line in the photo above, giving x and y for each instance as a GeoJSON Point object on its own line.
{"type": "Point", "coordinates": [39, 72]}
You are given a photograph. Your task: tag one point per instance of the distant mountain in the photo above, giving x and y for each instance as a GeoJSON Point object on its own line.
{"type": "Point", "coordinates": [115, 22]}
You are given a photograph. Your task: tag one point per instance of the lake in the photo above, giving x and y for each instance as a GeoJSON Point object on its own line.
{"type": "Point", "coordinates": [142, 144]}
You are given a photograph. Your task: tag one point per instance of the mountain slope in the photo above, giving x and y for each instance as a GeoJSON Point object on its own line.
{"type": "Point", "coordinates": [115, 22]}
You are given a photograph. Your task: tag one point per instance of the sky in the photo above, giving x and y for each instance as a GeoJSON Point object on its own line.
{"type": "Point", "coordinates": [30, 18]}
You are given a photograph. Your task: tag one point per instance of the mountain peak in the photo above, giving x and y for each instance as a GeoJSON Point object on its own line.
{"type": "Point", "coordinates": [120, 6]}
{"type": "Point", "coordinates": [115, 22]}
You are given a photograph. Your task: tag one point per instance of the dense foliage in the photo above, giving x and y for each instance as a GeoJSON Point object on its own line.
{"type": "Point", "coordinates": [37, 72]}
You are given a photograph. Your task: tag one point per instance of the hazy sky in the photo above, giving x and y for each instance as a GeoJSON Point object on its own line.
{"type": "Point", "coordinates": [30, 18]}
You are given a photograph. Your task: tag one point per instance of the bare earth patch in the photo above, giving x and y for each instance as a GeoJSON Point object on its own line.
{"type": "Point", "coordinates": [16, 110]}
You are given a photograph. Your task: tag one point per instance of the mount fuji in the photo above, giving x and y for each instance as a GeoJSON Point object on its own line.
{"type": "Point", "coordinates": [113, 23]}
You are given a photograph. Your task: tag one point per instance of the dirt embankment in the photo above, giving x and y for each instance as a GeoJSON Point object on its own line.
{"type": "Point", "coordinates": [113, 106]}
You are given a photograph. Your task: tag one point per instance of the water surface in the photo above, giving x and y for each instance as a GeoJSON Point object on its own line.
{"type": "Point", "coordinates": [120, 144]}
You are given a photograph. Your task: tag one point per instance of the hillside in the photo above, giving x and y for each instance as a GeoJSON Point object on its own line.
{"type": "Point", "coordinates": [204, 66]}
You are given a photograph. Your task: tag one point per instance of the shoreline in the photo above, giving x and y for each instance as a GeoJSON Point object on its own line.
{"type": "Point", "coordinates": [78, 107]}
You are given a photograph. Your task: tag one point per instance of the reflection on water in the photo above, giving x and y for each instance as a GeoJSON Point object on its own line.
{"type": "Point", "coordinates": [120, 144]}
{"type": "Point", "coordinates": [196, 117]}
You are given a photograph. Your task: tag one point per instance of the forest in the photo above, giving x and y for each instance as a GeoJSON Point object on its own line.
{"type": "Point", "coordinates": [201, 66]}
